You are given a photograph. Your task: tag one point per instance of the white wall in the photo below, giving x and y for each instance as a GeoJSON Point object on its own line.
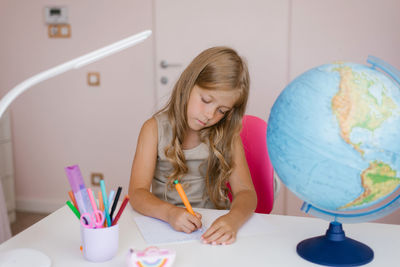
{"type": "Point", "coordinates": [66, 122]}
{"type": "Point", "coordinates": [63, 121]}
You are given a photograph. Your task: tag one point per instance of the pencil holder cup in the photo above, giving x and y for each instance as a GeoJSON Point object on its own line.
{"type": "Point", "coordinates": [99, 244]}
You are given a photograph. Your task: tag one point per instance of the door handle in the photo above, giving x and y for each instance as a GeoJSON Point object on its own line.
{"type": "Point", "coordinates": [164, 64]}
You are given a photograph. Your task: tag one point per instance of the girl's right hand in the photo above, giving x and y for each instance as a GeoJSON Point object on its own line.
{"type": "Point", "coordinates": [181, 220]}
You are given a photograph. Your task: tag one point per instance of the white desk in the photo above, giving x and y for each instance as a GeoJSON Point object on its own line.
{"type": "Point", "coordinates": [58, 236]}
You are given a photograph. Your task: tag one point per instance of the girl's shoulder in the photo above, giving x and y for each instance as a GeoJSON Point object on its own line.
{"type": "Point", "coordinates": [149, 129]}
{"type": "Point", "coordinates": [158, 128]}
{"type": "Point", "coordinates": [155, 121]}
{"type": "Point", "coordinates": [148, 134]}
{"type": "Point", "coordinates": [149, 125]}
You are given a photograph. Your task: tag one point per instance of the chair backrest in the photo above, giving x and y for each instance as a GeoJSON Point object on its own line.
{"type": "Point", "coordinates": [254, 139]}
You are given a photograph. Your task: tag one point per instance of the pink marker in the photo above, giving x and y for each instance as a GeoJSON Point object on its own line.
{"type": "Point", "coordinates": [94, 206]}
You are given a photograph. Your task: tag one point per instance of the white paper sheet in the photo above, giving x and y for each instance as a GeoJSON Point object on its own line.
{"type": "Point", "coordinates": [156, 232]}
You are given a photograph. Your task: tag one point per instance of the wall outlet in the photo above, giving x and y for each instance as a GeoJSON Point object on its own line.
{"type": "Point", "coordinates": [59, 31]}
{"type": "Point", "coordinates": [95, 178]}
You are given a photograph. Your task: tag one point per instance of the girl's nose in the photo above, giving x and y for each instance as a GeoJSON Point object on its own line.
{"type": "Point", "coordinates": [209, 113]}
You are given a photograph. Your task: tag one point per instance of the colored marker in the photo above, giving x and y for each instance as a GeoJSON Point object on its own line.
{"type": "Point", "coordinates": [121, 209]}
{"type": "Point", "coordinates": [74, 210]}
{"type": "Point", "coordinates": [110, 199]}
{"type": "Point", "coordinates": [101, 205]}
{"type": "Point", "coordinates": [72, 197]}
{"type": "Point", "coordinates": [94, 206]}
{"type": "Point", "coordinates": [105, 201]}
{"type": "Point", "coordinates": [115, 202]}
{"type": "Point", "coordinates": [183, 196]}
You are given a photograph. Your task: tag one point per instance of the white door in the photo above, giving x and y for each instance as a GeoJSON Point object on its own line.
{"type": "Point", "coordinates": [258, 30]}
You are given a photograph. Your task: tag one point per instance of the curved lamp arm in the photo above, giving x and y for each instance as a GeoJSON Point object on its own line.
{"type": "Point", "coordinates": [72, 64]}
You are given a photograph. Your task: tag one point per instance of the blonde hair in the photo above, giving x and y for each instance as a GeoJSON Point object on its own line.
{"type": "Point", "coordinates": [217, 68]}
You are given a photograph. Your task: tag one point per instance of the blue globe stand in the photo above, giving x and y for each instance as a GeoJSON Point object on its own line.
{"type": "Point", "coordinates": [335, 249]}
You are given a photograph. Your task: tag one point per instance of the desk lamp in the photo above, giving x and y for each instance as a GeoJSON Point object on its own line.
{"type": "Point", "coordinates": [24, 257]}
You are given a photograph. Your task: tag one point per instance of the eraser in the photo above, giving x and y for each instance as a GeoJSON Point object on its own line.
{"type": "Point", "coordinates": [151, 257]}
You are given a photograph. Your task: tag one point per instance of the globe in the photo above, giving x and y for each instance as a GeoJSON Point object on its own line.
{"type": "Point", "coordinates": [332, 138]}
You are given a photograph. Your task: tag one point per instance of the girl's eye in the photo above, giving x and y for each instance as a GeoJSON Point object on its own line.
{"type": "Point", "coordinates": [205, 101]}
{"type": "Point", "coordinates": [222, 111]}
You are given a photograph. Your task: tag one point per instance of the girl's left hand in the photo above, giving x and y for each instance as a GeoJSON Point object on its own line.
{"type": "Point", "coordinates": [222, 231]}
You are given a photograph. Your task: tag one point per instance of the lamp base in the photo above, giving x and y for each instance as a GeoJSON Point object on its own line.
{"type": "Point", "coordinates": [335, 249]}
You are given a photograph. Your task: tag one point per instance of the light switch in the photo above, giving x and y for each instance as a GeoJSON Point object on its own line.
{"type": "Point", "coordinates": [56, 15]}
{"type": "Point", "coordinates": [93, 78]}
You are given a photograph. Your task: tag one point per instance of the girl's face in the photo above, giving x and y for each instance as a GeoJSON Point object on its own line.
{"type": "Point", "coordinates": [207, 107]}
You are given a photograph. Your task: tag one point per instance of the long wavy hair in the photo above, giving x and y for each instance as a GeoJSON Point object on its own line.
{"type": "Point", "coordinates": [217, 68]}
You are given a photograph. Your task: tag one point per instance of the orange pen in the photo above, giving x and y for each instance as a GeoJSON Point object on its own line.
{"type": "Point", "coordinates": [183, 196]}
{"type": "Point", "coordinates": [100, 197]}
{"type": "Point", "coordinates": [72, 197]}
{"type": "Point", "coordinates": [101, 205]}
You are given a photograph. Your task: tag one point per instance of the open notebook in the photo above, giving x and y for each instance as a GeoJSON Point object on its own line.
{"type": "Point", "coordinates": [156, 232]}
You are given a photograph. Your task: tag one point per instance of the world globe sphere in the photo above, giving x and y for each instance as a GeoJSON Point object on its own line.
{"type": "Point", "coordinates": [333, 139]}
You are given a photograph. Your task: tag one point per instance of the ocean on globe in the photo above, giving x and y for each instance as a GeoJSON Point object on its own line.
{"type": "Point", "coordinates": [334, 137]}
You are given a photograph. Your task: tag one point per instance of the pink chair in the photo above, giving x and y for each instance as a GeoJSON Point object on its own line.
{"type": "Point", "coordinates": [254, 139]}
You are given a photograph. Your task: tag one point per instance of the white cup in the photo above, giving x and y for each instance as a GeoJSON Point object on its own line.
{"type": "Point", "coordinates": [99, 244]}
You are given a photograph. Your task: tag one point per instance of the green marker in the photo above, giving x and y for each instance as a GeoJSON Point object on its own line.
{"type": "Point", "coordinates": [74, 210]}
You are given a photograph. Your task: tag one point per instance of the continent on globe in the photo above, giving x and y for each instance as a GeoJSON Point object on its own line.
{"type": "Point", "coordinates": [354, 106]}
{"type": "Point", "coordinates": [378, 180]}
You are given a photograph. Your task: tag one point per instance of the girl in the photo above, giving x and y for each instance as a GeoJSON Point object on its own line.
{"type": "Point", "coordinates": [195, 139]}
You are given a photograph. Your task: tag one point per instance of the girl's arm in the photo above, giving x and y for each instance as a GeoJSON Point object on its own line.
{"type": "Point", "coordinates": [224, 229]}
{"type": "Point", "coordinates": [141, 199]}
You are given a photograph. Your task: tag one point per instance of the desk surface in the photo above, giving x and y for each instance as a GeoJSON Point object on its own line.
{"type": "Point", "coordinates": [58, 236]}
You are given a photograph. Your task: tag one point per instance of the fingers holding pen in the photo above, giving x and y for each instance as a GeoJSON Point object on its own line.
{"type": "Point", "coordinates": [198, 215]}
{"type": "Point", "coordinates": [181, 220]}
{"type": "Point", "coordinates": [190, 223]}
{"type": "Point", "coordinates": [196, 220]}
{"type": "Point", "coordinates": [191, 226]}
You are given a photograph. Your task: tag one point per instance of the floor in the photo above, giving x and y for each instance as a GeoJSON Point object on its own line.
{"type": "Point", "coordinates": [24, 220]}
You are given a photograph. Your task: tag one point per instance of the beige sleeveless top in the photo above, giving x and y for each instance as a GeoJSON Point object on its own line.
{"type": "Point", "coordinates": [193, 182]}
